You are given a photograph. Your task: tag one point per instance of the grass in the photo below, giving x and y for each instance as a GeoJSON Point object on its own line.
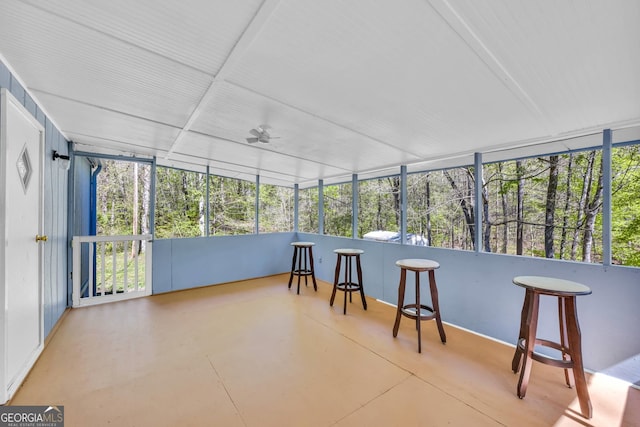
{"type": "Point", "coordinates": [107, 285]}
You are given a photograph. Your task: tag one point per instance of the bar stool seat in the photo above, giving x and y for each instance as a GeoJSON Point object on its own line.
{"type": "Point", "coordinates": [570, 339]}
{"type": "Point", "coordinates": [348, 286]}
{"type": "Point", "coordinates": [302, 253]}
{"type": "Point", "coordinates": [414, 311]}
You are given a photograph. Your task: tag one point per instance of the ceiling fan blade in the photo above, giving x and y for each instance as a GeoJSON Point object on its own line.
{"type": "Point", "coordinates": [261, 134]}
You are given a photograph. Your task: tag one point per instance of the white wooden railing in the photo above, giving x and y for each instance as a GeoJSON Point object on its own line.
{"type": "Point", "coordinates": [114, 268]}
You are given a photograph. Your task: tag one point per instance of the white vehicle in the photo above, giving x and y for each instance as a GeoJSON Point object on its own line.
{"type": "Point", "coordinates": [394, 237]}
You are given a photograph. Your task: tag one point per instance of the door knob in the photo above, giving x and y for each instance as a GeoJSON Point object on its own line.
{"type": "Point", "coordinates": [40, 238]}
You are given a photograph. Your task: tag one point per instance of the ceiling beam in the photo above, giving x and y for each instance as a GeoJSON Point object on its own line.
{"type": "Point", "coordinates": [458, 24]}
{"type": "Point", "coordinates": [245, 40]}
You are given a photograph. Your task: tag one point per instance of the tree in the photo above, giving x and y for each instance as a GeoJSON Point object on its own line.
{"type": "Point", "coordinates": [467, 208]}
{"type": "Point", "coordinates": [377, 206]}
{"type": "Point", "coordinates": [591, 209]}
{"type": "Point", "coordinates": [625, 205]}
{"type": "Point", "coordinates": [337, 209]}
{"type": "Point", "coordinates": [519, 208]}
{"type": "Point", "coordinates": [565, 216]}
{"type": "Point", "coordinates": [486, 219]}
{"type": "Point", "coordinates": [394, 186]}
{"type": "Point", "coordinates": [530, 199]}
{"type": "Point", "coordinates": [505, 210]}
{"type": "Point", "coordinates": [428, 213]}
{"type": "Point", "coordinates": [550, 210]}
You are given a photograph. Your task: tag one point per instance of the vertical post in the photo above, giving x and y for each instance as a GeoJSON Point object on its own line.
{"type": "Point", "coordinates": [152, 202]}
{"type": "Point", "coordinates": [71, 195]}
{"type": "Point", "coordinates": [93, 200]}
{"type": "Point", "coordinates": [320, 206]}
{"type": "Point", "coordinates": [77, 267]}
{"type": "Point", "coordinates": [403, 204]}
{"type": "Point", "coordinates": [477, 172]}
{"type": "Point", "coordinates": [606, 197]}
{"type": "Point", "coordinates": [257, 221]}
{"type": "Point", "coordinates": [206, 209]}
{"type": "Point", "coordinates": [296, 202]}
{"type": "Point", "coordinates": [354, 206]}
{"type": "Point", "coordinates": [93, 214]}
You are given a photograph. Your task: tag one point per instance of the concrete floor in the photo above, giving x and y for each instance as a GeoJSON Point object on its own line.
{"type": "Point", "coordinates": [254, 353]}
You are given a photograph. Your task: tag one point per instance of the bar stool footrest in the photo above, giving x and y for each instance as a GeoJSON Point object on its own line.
{"type": "Point", "coordinates": [548, 360]}
{"type": "Point", "coordinates": [348, 287]}
{"type": "Point", "coordinates": [302, 272]}
{"type": "Point", "coordinates": [413, 314]}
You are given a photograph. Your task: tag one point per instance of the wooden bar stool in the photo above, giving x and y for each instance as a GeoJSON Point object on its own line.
{"type": "Point", "coordinates": [348, 286]}
{"type": "Point", "coordinates": [570, 342]}
{"type": "Point", "coordinates": [413, 311]}
{"type": "Point", "coordinates": [302, 252]}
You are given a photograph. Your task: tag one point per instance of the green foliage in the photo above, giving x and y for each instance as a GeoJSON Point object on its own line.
{"type": "Point", "coordinates": [276, 209]}
{"type": "Point", "coordinates": [308, 210]}
{"type": "Point", "coordinates": [231, 206]}
{"type": "Point", "coordinates": [116, 182]}
{"type": "Point", "coordinates": [434, 206]}
{"type": "Point", "coordinates": [625, 205]}
{"type": "Point", "coordinates": [179, 203]}
{"type": "Point", "coordinates": [338, 210]}
{"type": "Point", "coordinates": [438, 215]}
{"type": "Point", "coordinates": [377, 208]}
{"type": "Point", "coordinates": [501, 182]}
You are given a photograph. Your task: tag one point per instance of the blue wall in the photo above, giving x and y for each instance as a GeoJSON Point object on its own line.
{"type": "Point", "coordinates": [201, 261]}
{"type": "Point", "coordinates": [476, 292]}
{"type": "Point", "coordinates": [55, 207]}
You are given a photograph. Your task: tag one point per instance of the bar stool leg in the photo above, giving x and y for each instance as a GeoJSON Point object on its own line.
{"type": "Point", "coordinates": [562, 322]}
{"type": "Point", "coordinates": [300, 267]}
{"type": "Point", "coordinates": [530, 342]}
{"type": "Point", "coordinates": [305, 253]}
{"type": "Point", "coordinates": [351, 278]}
{"type": "Point", "coordinates": [347, 281]}
{"type": "Point", "coordinates": [313, 274]}
{"type": "Point", "coordinates": [403, 281]}
{"type": "Point", "coordinates": [418, 312]}
{"type": "Point", "coordinates": [350, 258]}
{"type": "Point", "coordinates": [364, 301]}
{"type": "Point", "coordinates": [293, 265]}
{"type": "Point", "coordinates": [335, 280]}
{"type": "Point", "coordinates": [517, 357]}
{"type": "Point", "coordinates": [436, 305]}
{"type": "Point", "coordinates": [575, 347]}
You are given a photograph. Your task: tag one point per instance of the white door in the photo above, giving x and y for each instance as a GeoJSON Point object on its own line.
{"type": "Point", "coordinates": [22, 165]}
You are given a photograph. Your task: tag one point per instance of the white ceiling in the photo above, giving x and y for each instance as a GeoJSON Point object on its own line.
{"type": "Point", "coordinates": [348, 86]}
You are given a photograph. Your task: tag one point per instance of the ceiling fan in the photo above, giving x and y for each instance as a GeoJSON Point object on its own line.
{"type": "Point", "coordinates": [260, 134]}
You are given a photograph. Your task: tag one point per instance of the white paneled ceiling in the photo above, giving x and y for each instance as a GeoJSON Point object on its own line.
{"type": "Point", "coordinates": [346, 86]}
